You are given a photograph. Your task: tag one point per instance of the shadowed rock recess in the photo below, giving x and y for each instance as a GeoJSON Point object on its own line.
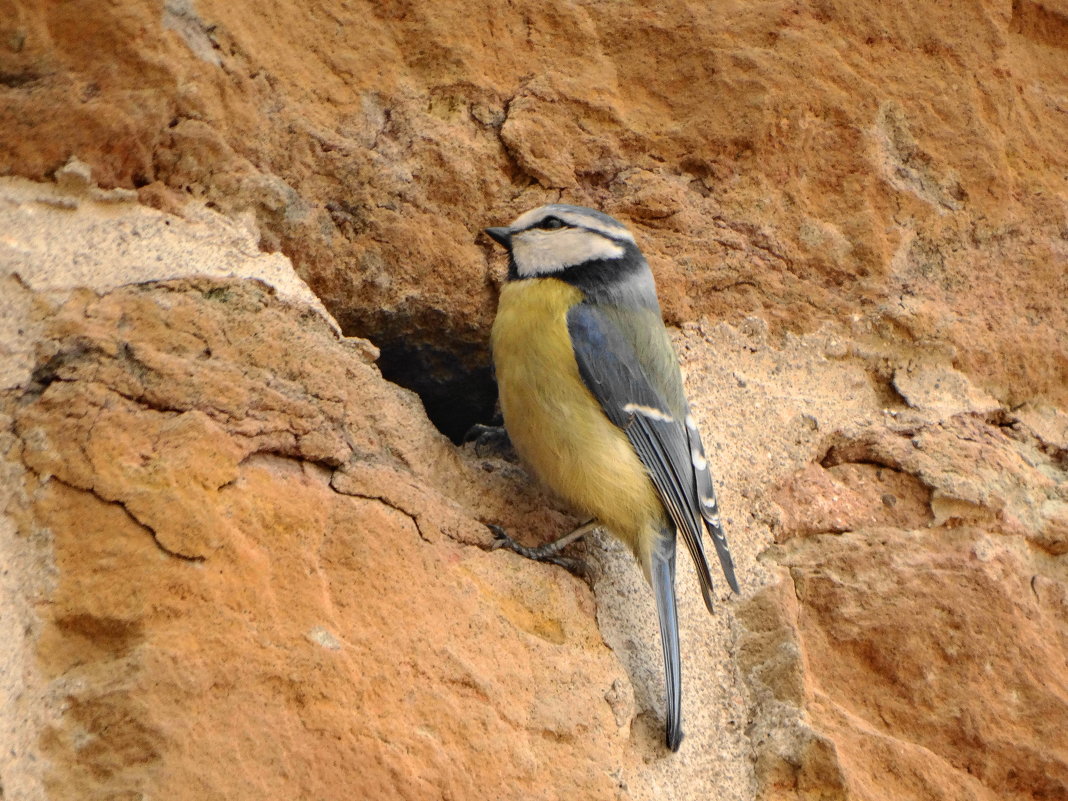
{"type": "Point", "coordinates": [244, 313]}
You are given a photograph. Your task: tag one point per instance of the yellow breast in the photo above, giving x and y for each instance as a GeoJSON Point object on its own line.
{"type": "Point", "coordinates": [555, 423]}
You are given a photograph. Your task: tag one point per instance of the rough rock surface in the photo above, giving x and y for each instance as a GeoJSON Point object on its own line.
{"type": "Point", "coordinates": [921, 624]}
{"type": "Point", "coordinates": [236, 562]}
{"type": "Point", "coordinates": [250, 567]}
{"type": "Point", "coordinates": [799, 161]}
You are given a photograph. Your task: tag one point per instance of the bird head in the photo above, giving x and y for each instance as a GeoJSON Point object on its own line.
{"type": "Point", "coordinates": [551, 239]}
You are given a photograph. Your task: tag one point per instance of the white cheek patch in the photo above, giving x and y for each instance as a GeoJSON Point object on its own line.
{"type": "Point", "coordinates": [538, 252]}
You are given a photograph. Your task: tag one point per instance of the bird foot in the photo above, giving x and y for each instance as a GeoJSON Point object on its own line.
{"type": "Point", "coordinates": [550, 552]}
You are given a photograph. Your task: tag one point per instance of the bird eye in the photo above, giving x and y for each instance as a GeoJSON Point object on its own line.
{"type": "Point", "coordinates": [550, 223]}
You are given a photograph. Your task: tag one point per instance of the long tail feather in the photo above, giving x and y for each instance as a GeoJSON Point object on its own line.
{"type": "Point", "coordinates": [662, 575]}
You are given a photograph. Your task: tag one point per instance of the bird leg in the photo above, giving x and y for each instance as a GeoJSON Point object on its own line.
{"type": "Point", "coordinates": [550, 551]}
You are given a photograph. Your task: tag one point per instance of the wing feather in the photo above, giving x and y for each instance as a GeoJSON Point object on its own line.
{"type": "Point", "coordinates": [613, 373]}
{"type": "Point", "coordinates": [706, 499]}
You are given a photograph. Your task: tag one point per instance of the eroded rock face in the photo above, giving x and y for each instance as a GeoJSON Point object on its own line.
{"type": "Point", "coordinates": [928, 663]}
{"type": "Point", "coordinates": [215, 507]}
{"type": "Point", "coordinates": [230, 607]}
{"type": "Point", "coordinates": [238, 562]}
{"type": "Point", "coordinates": [801, 163]}
{"type": "Point", "coordinates": [925, 642]}
{"type": "Point", "coordinates": [228, 535]}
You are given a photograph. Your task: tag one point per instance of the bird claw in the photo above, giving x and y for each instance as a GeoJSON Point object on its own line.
{"type": "Point", "coordinates": [500, 537]}
{"type": "Point", "coordinates": [490, 442]}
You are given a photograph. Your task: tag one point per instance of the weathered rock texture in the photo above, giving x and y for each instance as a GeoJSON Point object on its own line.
{"type": "Point", "coordinates": [255, 568]}
{"type": "Point", "coordinates": [799, 161]}
{"type": "Point", "coordinates": [237, 563]}
{"type": "Point", "coordinates": [922, 625]}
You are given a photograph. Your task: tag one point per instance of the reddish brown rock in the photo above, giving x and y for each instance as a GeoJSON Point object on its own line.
{"type": "Point", "coordinates": [224, 617]}
{"type": "Point", "coordinates": [207, 483]}
{"type": "Point", "coordinates": [864, 200]}
{"type": "Point", "coordinates": [928, 665]}
{"type": "Point", "coordinates": [850, 496]}
{"type": "Point", "coordinates": [918, 653]}
{"type": "Point", "coordinates": [806, 163]}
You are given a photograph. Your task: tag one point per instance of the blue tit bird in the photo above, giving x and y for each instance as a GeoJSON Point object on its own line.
{"type": "Point", "coordinates": [593, 401]}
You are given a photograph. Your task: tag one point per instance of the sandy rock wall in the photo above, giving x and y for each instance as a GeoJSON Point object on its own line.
{"type": "Point", "coordinates": [244, 565]}
{"type": "Point", "coordinates": [798, 161]}
{"type": "Point", "coordinates": [239, 562]}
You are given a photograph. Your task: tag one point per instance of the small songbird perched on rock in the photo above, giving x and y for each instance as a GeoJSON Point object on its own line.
{"type": "Point", "coordinates": [593, 401]}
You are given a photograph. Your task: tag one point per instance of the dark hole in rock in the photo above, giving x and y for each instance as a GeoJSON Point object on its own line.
{"type": "Point", "coordinates": [456, 386]}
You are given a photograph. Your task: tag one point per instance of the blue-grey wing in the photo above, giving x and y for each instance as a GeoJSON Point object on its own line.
{"type": "Point", "coordinates": [614, 375]}
{"type": "Point", "coordinates": [706, 500]}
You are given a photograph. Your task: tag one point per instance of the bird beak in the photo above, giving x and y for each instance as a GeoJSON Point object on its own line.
{"type": "Point", "coordinates": [501, 235]}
